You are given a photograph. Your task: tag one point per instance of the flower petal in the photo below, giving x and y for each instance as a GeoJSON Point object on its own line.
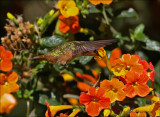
{"type": "Point", "coordinates": [95, 2]}
{"type": "Point", "coordinates": [93, 109]}
{"type": "Point", "coordinates": [83, 86]}
{"type": "Point", "coordinates": [84, 99]}
{"type": "Point", "coordinates": [134, 60]}
{"type": "Point", "coordinates": [115, 55]}
{"type": "Point", "coordinates": [6, 65]}
{"type": "Point", "coordinates": [129, 90]}
{"type": "Point", "coordinates": [100, 92]}
{"type": "Point", "coordinates": [92, 91]}
{"type": "Point", "coordinates": [8, 102]}
{"type": "Point", "coordinates": [106, 1]}
{"type": "Point", "coordinates": [72, 11]}
{"type": "Point", "coordinates": [104, 102]}
{"type": "Point", "coordinates": [117, 84]}
{"type": "Point", "coordinates": [142, 90]}
{"type": "Point", "coordinates": [131, 76]}
{"type": "Point", "coordinates": [12, 77]}
{"type": "Point", "coordinates": [2, 78]}
{"type": "Point", "coordinates": [105, 84]}
{"type": "Point", "coordinates": [126, 58]}
{"type": "Point", "coordinates": [143, 78]}
{"type": "Point", "coordinates": [121, 95]}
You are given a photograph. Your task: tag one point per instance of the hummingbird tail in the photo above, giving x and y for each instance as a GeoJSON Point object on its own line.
{"type": "Point", "coordinates": [38, 58]}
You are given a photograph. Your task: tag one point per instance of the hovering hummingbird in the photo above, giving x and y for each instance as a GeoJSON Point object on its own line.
{"type": "Point", "coordinates": [66, 52]}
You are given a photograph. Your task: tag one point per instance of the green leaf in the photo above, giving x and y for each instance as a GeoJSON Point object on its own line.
{"type": "Point", "coordinates": [139, 29]}
{"type": "Point", "coordinates": [57, 31]}
{"type": "Point", "coordinates": [85, 59]}
{"type": "Point", "coordinates": [92, 9]}
{"type": "Point", "coordinates": [78, 70]}
{"type": "Point", "coordinates": [157, 77]}
{"type": "Point", "coordinates": [130, 13]}
{"type": "Point", "coordinates": [51, 100]}
{"type": "Point", "coordinates": [152, 45]}
{"type": "Point", "coordinates": [141, 101]}
{"type": "Point", "coordinates": [52, 41]}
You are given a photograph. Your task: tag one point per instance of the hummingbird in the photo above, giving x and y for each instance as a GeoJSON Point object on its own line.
{"type": "Point", "coordinates": [68, 51]}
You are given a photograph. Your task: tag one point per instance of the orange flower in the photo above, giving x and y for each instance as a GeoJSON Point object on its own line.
{"type": "Point", "coordinates": [87, 77]}
{"type": "Point", "coordinates": [71, 23]}
{"type": "Point", "coordinates": [136, 84]}
{"type": "Point", "coordinates": [94, 101]}
{"type": "Point", "coordinates": [96, 2]}
{"type": "Point", "coordinates": [113, 89]}
{"type": "Point", "coordinates": [83, 86]}
{"type": "Point", "coordinates": [73, 101]}
{"type": "Point", "coordinates": [8, 82]}
{"type": "Point", "coordinates": [127, 63]}
{"type": "Point", "coordinates": [67, 8]}
{"type": "Point", "coordinates": [5, 59]}
{"type": "Point", "coordinates": [7, 102]}
{"type": "Point", "coordinates": [115, 54]}
{"type": "Point", "coordinates": [139, 114]}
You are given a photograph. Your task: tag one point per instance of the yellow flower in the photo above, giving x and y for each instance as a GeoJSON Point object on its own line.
{"type": "Point", "coordinates": [154, 109]}
{"type": "Point", "coordinates": [102, 57]}
{"type": "Point", "coordinates": [55, 109]}
{"type": "Point", "coordinates": [67, 8]}
{"type": "Point", "coordinates": [67, 77]}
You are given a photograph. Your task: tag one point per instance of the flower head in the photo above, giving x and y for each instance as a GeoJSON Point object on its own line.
{"type": "Point", "coordinates": [7, 102]}
{"type": "Point", "coordinates": [8, 82]}
{"type": "Point", "coordinates": [70, 23]}
{"type": "Point", "coordinates": [5, 59]}
{"type": "Point", "coordinates": [52, 110]}
{"type": "Point", "coordinates": [67, 8]}
{"type": "Point", "coordinates": [136, 84]}
{"type": "Point", "coordinates": [113, 89]}
{"type": "Point", "coordinates": [94, 101]}
{"type": "Point", "coordinates": [127, 63]}
{"type": "Point", "coordinates": [102, 58]}
{"type": "Point", "coordinates": [96, 2]}
{"type": "Point", "coordinates": [67, 77]}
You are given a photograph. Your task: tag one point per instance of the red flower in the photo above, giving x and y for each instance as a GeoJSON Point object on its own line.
{"type": "Point", "coordinates": [71, 23]}
{"type": "Point", "coordinates": [5, 59]}
{"type": "Point", "coordinates": [94, 100]}
{"type": "Point", "coordinates": [136, 84]}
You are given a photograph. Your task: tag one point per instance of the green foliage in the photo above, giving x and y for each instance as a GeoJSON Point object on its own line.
{"type": "Point", "coordinates": [51, 100]}
{"type": "Point", "coordinates": [52, 41]}
{"type": "Point", "coordinates": [99, 22]}
{"type": "Point", "coordinates": [130, 13]}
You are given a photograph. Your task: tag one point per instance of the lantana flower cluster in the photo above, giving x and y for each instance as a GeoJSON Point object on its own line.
{"type": "Point", "coordinates": [8, 81]}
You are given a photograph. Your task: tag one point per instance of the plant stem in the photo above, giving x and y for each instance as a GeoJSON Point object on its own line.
{"type": "Point", "coordinates": [105, 15]}
{"type": "Point", "coordinates": [28, 108]}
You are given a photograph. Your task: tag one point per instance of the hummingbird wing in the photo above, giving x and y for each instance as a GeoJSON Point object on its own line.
{"type": "Point", "coordinates": [88, 46]}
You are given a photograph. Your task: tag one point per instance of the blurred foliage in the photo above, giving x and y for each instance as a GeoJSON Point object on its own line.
{"type": "Point", "coordinates": [44, 79]}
